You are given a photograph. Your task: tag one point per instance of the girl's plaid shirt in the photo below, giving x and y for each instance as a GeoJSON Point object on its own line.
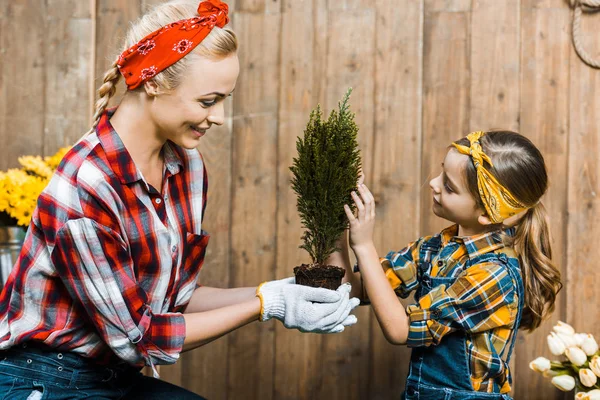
{"type": "Point", "coordinates": [482, 301]}
{"type": "Point", "coordinates": [109, 263]}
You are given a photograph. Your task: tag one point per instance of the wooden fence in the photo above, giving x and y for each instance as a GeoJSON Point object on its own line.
{"type": "Point", "coordinates": [424, 72]}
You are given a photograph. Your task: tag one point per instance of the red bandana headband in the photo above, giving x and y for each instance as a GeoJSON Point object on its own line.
{"type": "Point", "coordinates": [164, 47]}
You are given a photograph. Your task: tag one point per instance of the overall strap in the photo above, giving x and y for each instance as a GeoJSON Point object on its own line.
{"type": "Point", "coordinates": [515, 274]}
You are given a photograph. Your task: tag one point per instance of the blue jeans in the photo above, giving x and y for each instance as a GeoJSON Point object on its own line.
{"type": "Point", "coordinates": [34, 373]}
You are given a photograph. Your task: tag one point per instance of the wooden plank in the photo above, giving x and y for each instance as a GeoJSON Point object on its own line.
{"type": "Point", "coordinates": [297, 355]}
{"type": "Point", "coordinates": [68, 58]}
{"type": "Point", "coordinates": [446, 87]}
{"type": "Point", "coordinates": [113, 18]}
{"type": "Point", "coordinates": [22, 76]}
{"type": "Point", "coordinates": [545, 51]}
{"type": "Point", "coordinates": [254, 196]}
{"type": "Point", "coordinates": [495, 65]}
{"type": "Point", "coordinates": [583, 282]}
{"type": "Point", "coordinates": [495, 70]}
{"type": "Point", "coordinates": [397, 150]}
{"type": "Point", "coordinates": [204, 370]}
{"type": "Point", "coordinates": [350, 63]}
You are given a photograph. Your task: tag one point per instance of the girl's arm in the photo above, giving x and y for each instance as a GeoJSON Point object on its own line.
{"type": "Point", "coordinates": [342, 259]}
{"type": "Point", "coordinates": [390, 313]}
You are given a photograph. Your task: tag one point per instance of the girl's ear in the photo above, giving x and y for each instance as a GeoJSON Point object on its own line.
{"type": "Point", "coordinates": [515, 219]}
{"type": "Point", "coordinates": [484, 220]}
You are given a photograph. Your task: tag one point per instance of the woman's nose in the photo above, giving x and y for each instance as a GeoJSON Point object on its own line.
{"type": "Point", "coordinates": [217, 115]}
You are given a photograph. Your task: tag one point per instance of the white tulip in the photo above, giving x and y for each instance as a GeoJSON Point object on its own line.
{"type": "Point", "coordinates": [581, 396]}
{"type": "Point", "coordinates": [566, 329]}
{"type": "Point", "coordinates": [593, 395]}
{"type": "Point", "coordinates": [576, 356]}
{"type": "Point", "coordinates": [579, 337]}
{"type": "Point", "coordinates": [540, 364]}
{"type": "Point", "coordinates": [595, 365]}
{"type": "Point", "coordinates": [589, 345]}
{"type": "Point", "coordinates": [557, 346]}
{"type": "Point", "coordinates": [568, 340]}
{"type": "Point", "coordinates": [564, 382]}
{"type": "Point", "coordinates": [587, 377]}
{"type": "Point", "coordinates": [550, 373]}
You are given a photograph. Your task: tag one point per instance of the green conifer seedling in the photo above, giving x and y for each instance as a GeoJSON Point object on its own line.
{"type": "Point", "coordinates": [325, 172]}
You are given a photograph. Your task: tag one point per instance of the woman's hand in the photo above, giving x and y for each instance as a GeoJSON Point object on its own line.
{"type": "Point", "coordinates": [361, 225]}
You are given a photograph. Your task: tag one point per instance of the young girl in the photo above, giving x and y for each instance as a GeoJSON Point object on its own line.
{"type": "Point", "coordinates": [477, 282]}
{"type": "Point", "coordinates": [106, 280]}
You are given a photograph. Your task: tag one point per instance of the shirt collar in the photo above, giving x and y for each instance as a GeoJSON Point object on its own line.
{"type": "Point", "coordinates": [119, 158]}
{"type": "Point", "coordinates": [477, 245]}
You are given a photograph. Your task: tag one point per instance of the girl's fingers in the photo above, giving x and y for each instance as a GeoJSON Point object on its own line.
{"type": "Point", "coordinates": [358, 202]}
{"type": "Point", "coordinates": [349, 214]}
{"type": "Point", "coordinates": [360, 206]}
{"type": "Point", "coordinates": [365, 200]}
{"type": "Point", "coordinates": [368, 199]}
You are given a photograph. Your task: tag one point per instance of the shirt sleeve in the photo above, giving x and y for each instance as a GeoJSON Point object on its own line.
{"type": "Point", "coordinates": [482, 298]}
{"type": "Point", "coordinates": [401, 268]}
{"type": "Point", "coordinates": [94, 263]}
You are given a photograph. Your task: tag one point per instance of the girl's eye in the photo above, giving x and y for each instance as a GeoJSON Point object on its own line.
{"type": "Point", "coordinates": [448, 188]}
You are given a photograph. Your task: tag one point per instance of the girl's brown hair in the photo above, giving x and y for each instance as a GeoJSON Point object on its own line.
{"type": "Point", "coordinates": [219, 43]}
{"type": "Point", "coordinates": [519, 166]}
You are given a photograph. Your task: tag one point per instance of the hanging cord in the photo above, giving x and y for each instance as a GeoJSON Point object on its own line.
{"type": "Point", "coordinates": [579, 7]}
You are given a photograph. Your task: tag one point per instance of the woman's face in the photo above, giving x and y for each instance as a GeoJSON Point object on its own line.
{"type": "Point", "coordinates": [185, 114]}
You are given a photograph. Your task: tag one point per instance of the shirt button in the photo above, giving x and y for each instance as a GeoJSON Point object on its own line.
{"type": "Point", "coordinates": [157, 201]}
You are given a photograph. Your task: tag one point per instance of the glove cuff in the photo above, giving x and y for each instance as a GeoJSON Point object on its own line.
{"type": "Point", "coordinates": [272, 304]}
{"type": "Point", "coordinates": [262, 301]}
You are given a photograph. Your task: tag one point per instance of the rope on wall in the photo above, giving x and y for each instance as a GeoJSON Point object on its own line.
{"type": "Point", "coordinates": [579, 7]}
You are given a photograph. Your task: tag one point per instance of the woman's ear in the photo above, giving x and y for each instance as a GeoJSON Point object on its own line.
{"type": "Point", "coordinates": [151, 88]}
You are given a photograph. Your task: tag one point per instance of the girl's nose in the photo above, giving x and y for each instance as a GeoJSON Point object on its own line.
{"type": "Point", "coordinates": [433, 184]}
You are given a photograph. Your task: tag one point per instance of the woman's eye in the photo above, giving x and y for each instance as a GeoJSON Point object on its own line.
{"type": "Point", "coordinates": [208, 103]}
{"type": "Point", "coordinates": [448, 188]}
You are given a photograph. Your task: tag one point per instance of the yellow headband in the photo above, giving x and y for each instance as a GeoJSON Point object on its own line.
{"type": "Point", "coordinates": [498, 201]}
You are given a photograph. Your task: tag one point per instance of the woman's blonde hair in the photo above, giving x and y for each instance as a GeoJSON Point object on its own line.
{"type": "Point", "coordinates": [219, 43]}
{"type": "Point", "coordinates": [519, 166]}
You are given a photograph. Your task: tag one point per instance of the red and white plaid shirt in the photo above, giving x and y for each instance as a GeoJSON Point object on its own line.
{"type": "Point", "coordinates": [109, 263]}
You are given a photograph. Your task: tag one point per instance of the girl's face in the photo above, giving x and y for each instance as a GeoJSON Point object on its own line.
{"type": "Point", "coordinates": [451, 197]}
{"type": "Point", "coordinates": [185, 114]}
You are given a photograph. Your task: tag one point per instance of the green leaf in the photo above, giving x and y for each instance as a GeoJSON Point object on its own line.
{"type": "Point", "coordinates": [324, 174]}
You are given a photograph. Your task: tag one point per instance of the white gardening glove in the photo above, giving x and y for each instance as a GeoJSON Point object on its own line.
{"type": "Point", "coordinates": [278, 283]}
{"type": "Point", "coordinates": [306, 308]}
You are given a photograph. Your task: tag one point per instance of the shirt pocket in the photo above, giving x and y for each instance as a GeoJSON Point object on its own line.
{"type": "Point", "coordinates": [194, 251]}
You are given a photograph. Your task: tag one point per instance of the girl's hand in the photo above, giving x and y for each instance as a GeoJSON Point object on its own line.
{"type": "Point", "coordinates": [361, 226]}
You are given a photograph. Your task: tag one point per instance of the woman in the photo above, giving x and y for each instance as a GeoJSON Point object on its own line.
{"type": "Point", "coordinates": [106, 281]}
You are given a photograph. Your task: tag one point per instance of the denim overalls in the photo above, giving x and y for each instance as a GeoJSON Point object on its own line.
{"type": "Point", "coordinates": [442, 372]}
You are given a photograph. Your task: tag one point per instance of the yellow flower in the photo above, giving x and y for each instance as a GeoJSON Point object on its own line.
{"type": "Point", "coordinates": [35, 165]}
{"type": "Point", "coordinates": [54, 161]}
{"type": "Point", "coordinates": [20, 188]}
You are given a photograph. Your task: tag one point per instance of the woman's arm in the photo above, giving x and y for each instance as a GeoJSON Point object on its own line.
{"type": "Point", "coordinates": [390, 313]}
{"type": "Point", "coordinates": [204, 327]}
{"type": "Point", "coordinates": [210, 298]}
